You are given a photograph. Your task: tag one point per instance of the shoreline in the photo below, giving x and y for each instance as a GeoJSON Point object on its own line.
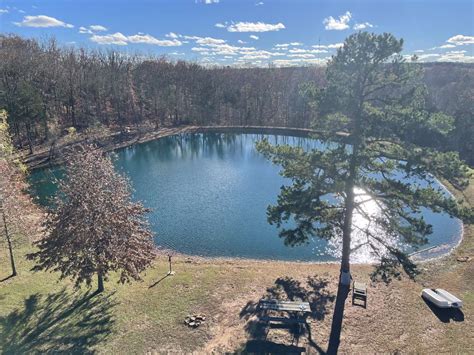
{"type": "Point", "coordinates": [108, 142]}
{"type": "Point", "coordinates": [50, 154]}
{"type": "Point", "coordinates": [228, 259]}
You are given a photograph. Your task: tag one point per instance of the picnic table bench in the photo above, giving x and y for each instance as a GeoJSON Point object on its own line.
{"type": "Point", "coordinates": [298, 309]}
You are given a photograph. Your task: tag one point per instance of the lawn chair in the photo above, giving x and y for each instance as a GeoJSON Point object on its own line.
{"type": "Point", "coordinates": [359, 291]}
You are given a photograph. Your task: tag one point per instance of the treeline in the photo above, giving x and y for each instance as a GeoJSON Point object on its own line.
{"type": "Point", "coordinates": [46, 88]}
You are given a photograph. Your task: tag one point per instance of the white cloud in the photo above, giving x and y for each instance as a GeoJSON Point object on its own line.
{"type": "Point", "coordinates": [328, 46]}
{"type": "Point", "coordinates": [83, 30]}
{"type": "Point", "coordinates": [209, 41]}
{"type": "Point", "coordinates": [222, 49]}
{"type": "Point", "coordinates": [245, 54]}
{"type": "Point", "coordinates": [220, 25]}
{"type": "Point", "coordinates": [207, 2]}
{"type": "Point", "coordinates": [42, 21]}
{"type": "Point", "coordinates": [456, 56]}
{"type": "Point", "coordinates": [307, 51]}
{"type": "Point", "coordinates": [172, 35]}
{"type": "Point", "coordinates": [122, 40]}
{"type": "Point", "coordinates": [115, 38]}
{"type": "Point", "coordinates": [298, 50]}
{"type": "Point", "coordinates": [200, 49]}
{"type": "Point", "coordinates": [362, 26]}
{"type": "Point", "coordinates": [259, 3]}
{"type": "Point", "coordinates": [259, 54]}
{"type": "Point", "coordinates": [254, 37]}
{"type": "Point", "coordinates": [205, 41]}
{"type": "Point", "coordinates": [97, 28]}
{"type": "Point", "coordinates": [430, 55]}
{"type": "Point", "coordinates": [460, 40]}
{"type": "Point", "coordinates": [301, 55]}
{"type": "Point", "coordinates": [286, 45]}
{"type": "Point", "coordinates": [255, 27]}
{"type": "Point", "coordinates": [148, 39]}
{"type": "Point", "coordinates": [444, 46]}
{"type": "Point", "coordinates": [241, 42]}
{"type": "Point", "coordinates": [341, 24]}
{"type": "Point", "coordinates": [3, 11]}
{"type": "Point", "coordinates": [92, 29]}
{"type": "Point", "coordinates": [419, 51]}
{"type": "Point", "coordinates": [299, 62]}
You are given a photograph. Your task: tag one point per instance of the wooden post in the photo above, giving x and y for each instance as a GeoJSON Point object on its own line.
{"type": "Point", "coordinates": [171, 272]}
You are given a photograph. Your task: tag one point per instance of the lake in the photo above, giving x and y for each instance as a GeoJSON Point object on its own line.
{"type": "Point", "coordinates": [209, 192]}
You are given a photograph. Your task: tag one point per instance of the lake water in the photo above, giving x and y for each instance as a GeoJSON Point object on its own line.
{"type": "Point", "coordinates": [209, 193]}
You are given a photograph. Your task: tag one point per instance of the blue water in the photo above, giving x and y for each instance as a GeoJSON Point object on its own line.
{"type": "Point", "coordinates": [209, 193]}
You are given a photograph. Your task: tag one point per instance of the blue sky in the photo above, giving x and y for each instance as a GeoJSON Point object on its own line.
{"type": "Point", "coordinates": [241, 32]}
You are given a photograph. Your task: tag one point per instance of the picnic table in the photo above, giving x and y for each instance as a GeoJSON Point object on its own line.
{"type": "Point", "coordinates": [296, 308]}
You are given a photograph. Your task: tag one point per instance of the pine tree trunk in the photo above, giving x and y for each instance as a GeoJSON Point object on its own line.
{"type": "Point", "coordinates": [100, 282]}
{"type": "Point", "coordinates": [345, 277]}
{"type": "Point", "coordinates": [9, 243]}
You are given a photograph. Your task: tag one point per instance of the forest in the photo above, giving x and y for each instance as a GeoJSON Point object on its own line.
{"type": "Point", "coordinates": [47, 88]}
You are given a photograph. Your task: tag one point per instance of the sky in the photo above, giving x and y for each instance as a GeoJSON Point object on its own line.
{"type": "Point", "coordinates": [245, 32]}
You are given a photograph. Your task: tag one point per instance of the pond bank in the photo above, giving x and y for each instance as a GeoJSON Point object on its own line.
{"type": "Point", "coordinates": [109, 140]}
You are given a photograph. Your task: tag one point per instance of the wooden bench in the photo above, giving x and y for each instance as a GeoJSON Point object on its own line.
{"type": "Point", "coordinates": [297, 308]}
{"type": "Point", "coordinates": [282, 320]}
{"type": "Point", "coordinates": [359, 291]}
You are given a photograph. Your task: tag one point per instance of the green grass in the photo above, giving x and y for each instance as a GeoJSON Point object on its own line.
{"type": "Point", "coordinates": [40, 313]}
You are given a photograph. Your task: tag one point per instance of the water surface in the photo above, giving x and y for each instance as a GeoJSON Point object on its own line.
{"type": "Point", "coordinates": [209, 194]}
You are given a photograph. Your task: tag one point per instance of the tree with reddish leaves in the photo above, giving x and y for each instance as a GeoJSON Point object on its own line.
{"type": "Point", "coordinates": [94, 228]}
{"type": "Point", "coordinates": [17, 221]}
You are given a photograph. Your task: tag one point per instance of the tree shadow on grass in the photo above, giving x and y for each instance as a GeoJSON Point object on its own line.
{"type": "Point", "coordinates": [7, 278]}
{"type": "Point", "coordinates": [57, 323]}
{"type": "Point", "coordinates": [337, 318]}
{"type": "Point", "coordinates": [313, 291]}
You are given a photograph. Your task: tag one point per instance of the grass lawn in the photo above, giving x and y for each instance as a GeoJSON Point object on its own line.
{"type": "Point", "coordinates": [39, 313]}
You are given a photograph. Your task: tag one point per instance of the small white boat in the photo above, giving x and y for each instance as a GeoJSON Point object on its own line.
{"type": "Point", "coordinates": [441, 298]}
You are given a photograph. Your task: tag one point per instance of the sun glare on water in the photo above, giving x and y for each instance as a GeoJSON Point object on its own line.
{"type": "Point", "coordinates": [365, 229]}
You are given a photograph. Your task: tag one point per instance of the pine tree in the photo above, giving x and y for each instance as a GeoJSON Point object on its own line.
{"type": "Point", "coordinates": [373, 112]}
{"type": "Point", "coordinates": [94, 227]}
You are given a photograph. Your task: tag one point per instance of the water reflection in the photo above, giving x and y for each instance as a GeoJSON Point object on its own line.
{"type": "Point", "coordinates": [364, 225]}
{"type": "Point", "coordinates": [209, 194]}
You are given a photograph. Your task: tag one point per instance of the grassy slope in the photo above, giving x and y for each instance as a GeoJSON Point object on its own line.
{"type": "Point", "coordinates": [38, 312]}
